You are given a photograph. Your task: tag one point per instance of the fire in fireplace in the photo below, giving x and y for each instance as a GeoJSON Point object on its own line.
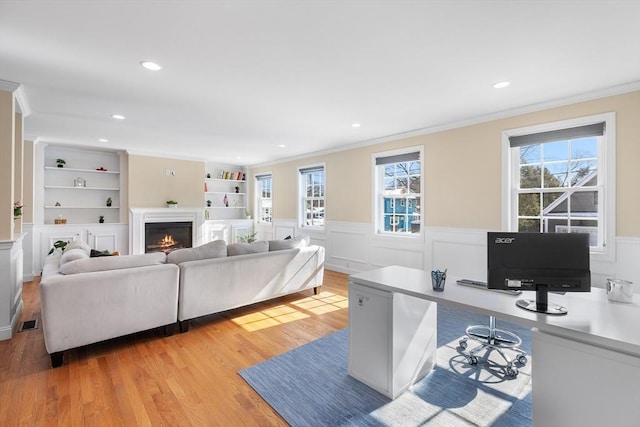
{"type": "Point", "coordinates": [167, 236]}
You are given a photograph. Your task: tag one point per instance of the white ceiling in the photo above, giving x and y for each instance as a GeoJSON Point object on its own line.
{"type": "Point", "coordinates": [242, 77]}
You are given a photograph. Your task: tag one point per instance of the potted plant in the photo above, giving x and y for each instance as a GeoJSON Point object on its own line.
{"type": "Point", "coordinates": [109, 201]}
{"type": "Point", "coordinates": [247, 238]}
{"type": "Point", "coordinates": [17, 209]}
{"type": "Point", "coordinates": [101, 219]}
{"type": "Point", "coordinates": [172, 204]}
{"type": "Point", "coordinates": [208, 203]}
{"type": "Point", "coordinates": [60, 163]}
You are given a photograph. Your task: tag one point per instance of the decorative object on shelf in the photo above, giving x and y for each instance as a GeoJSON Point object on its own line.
{"type": "Point", "coordinates": [225, 200]}
{"type": "Point", "coordinates": [60, 220]}
{"type": "Point", "coordinates": [172, 204]}
{"type": "Point", "coordinates": [60, 163]}
{"type": "Point", "coordinates": [247, 213]}
{"type": "Point", "coordinates": [101, 219]}
{"type": "Point", "coordinates": [57, 204]}
{"type": "Point", "coordinates": [208, 176]}
{"type": "Point", "coordinates": [206, 187]}
{"type": "Point", "coordinates": [101, 169]}
{"type": "Point", "coordinates": [109, 201]}
{"type": "Point", "coordinates": [237, 189]}
{"type": "Point", "coordinates": [79, 182]}
{"type": "Point", "coordinates": [17, 209]}
{"type": "Point", "coordinates": [208, 203]}
{"type": "Point", "coordinates": [206, 214]}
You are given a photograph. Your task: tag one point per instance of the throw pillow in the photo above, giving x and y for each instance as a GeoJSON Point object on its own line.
{"type": "Point", "coordinates": [213, 249]}
{"type": "Point", "coordinates": [113, 263]}
{"type": "Point", "coordinates": [247, 248]}
{"type": "Point", "coordinates": [78, 244]}
{"type": "Point", "coordinates": [73, 255]}
{"type": "Point", "coordinates": [296, 242]}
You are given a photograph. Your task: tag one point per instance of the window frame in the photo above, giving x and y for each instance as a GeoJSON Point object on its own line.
{"type": "Point", "coordinates": [302, 196]}
{"type": "Point", "coordinates": [258, 199]}
{"type": "Point", "coordinates": [606, 177]}
{"type": "Point", "coordinates": [378, 193]}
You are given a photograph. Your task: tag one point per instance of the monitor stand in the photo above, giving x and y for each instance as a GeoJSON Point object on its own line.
{"type": "Point", "coordinates": [541, 304]}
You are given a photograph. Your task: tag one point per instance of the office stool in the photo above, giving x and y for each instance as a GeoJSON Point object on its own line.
{"type": "Point", "coordinates": [496, 339]}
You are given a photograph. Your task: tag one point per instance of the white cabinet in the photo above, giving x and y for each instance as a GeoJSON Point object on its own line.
{"type": "Point", "coordinates": [392, 338]}
{"type": "Point", "coordinates": [86, 189]}
{"type": "Point", "coordinates": [225, 194]}
{"type": "Point", "coordinates": [111, 237]}
{"type": "Point", "coordinates": [228, 230]}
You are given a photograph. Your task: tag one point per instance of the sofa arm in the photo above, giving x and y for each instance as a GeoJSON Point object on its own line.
{"type": "Point", "coordinates": [85, 308]}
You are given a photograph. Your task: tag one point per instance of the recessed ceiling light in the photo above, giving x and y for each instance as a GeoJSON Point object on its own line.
{"type": "Point", "coordinates": [150, 65]}
{"type": "Point", "coordinates": [355, 125]}
{"type": "Point", "coordinates": [282, 146]}
{"type": "Point", "coordinates": [103, 140]}
{"type": "Point", "coordinates": [500, 85]}
{"type": "Point", "coordinates": [118, 116]}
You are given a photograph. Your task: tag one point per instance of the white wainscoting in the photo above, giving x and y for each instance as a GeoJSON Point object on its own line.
{"type": "Point", "coordinates": [352, 248]}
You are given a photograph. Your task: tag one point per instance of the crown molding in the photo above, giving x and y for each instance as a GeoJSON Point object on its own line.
{"type": "Point", "coordinates": [22, 105]}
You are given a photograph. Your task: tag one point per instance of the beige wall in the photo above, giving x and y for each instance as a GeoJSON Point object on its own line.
{"type": "Point", "coordinates": [463, 175]}
{"type": "Point", "coordinates": [149, 185]}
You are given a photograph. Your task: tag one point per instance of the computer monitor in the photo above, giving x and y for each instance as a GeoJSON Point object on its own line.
{"type": "Point", "coordinates": [540, 262]}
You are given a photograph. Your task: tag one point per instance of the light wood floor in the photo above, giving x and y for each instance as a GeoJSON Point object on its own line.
{"type": "Point", "coordinates": [144, 379]}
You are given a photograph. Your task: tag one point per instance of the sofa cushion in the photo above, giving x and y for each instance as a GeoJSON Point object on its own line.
{"type": "Point", "coordinates": [113, 263]}
{"type": "Point", "coordinates": [213, 249]}
{"type": "Point", "coordinates": [247, 248]}
{"type": "Point", "coordinates": [73, 255]}
{"type": "Point", "coordinates": [78, 244]}
{"type": "Point", "coordinates": [296, 242]}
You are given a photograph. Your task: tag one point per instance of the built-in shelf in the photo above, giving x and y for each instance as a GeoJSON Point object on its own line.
{"type": "Point", "coordinates": [65, 169]}
{"type": "Point", "coordinates": [225, 192]}
{"type": "Point", "coordinates": [82, 207]}
{"type": "Point", "coordinates": [226, 207]}
{"type": "Point", "coordinates": [71, 187]}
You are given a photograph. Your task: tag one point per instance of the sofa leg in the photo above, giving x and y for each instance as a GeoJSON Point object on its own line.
{"type": "Point", "coordinates": [316, 290]}
{"type": "Point", "coordinates": [184, 326]}
{"type": "Point", "coordinates": [56, 359]}
{"type": "Point", "coordinates": [169, 329]}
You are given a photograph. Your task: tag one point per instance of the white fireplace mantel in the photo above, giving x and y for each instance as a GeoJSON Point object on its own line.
{"type": "Point", "coordinates": [138, 217]}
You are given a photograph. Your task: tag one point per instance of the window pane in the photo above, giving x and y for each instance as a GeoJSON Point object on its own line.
{"type": "Point", "coordinates": [581, 171]}
{"type": "Point", "coordinates": [529, 225]}
{"type": "Point", "coordinates": [584, 148]}
{"type": "Point", "coordinates": [414, 168]}
{"type": "Point", "coordinates": [530, 177]}
{"type": "Point", "coordinates": [584, 204]}
{"type": "Point", "coordinates": [549, 198]}
{"type": "Point", "coordinates": [414, 186]}
{"type": "Point", "coordinates": [389, 185]}
{"type": "Point", "coordinates": [586, 226]}
{"type": "Point", "coordinates": [530, 154]}
{"type": "Point", "coordinates": [556, 175]}
{"type": "Point", "coordinates": [529, 204]}
{"type": "Point", "coordinates": [556, 151]}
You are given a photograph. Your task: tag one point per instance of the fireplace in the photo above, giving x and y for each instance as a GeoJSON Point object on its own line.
{"type": "Point", "coordinates": [164, 229]}
{"type": "Point", "coordinates": [167, 236]}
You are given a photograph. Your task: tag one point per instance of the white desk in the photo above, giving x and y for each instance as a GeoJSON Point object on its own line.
{"type": "Point", "coordinates": [585, 365]}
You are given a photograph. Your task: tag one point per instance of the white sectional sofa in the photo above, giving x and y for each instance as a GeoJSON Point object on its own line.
{"type": "Point", "coordinates": [249, 273]}
{"type": "Point", "coordinates": [85, 300]}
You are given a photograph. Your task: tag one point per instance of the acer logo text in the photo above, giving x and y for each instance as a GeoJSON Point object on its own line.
{"type": "Point", "coordinates": [505, 239]}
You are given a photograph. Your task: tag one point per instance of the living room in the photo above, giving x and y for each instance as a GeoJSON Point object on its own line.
{"type": "Point", "coordinates": [465, 193]}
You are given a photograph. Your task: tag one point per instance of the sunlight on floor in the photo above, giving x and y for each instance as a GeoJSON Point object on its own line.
{"type": "Point", "coordinates": [325, 302]}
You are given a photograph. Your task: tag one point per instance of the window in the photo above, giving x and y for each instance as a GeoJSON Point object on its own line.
{"type": "Point", "coordinates": [398, 188]}
{"type": "Point", "coordinates": [560, 181]}
{"type": "Point", "coordinates": [312, 192]}
{"type": "Point", "coordinates": [263, 198]}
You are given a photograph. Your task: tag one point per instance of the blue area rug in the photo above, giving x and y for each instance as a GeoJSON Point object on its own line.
{"type": "Point", "coordinates": [310, 386]}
